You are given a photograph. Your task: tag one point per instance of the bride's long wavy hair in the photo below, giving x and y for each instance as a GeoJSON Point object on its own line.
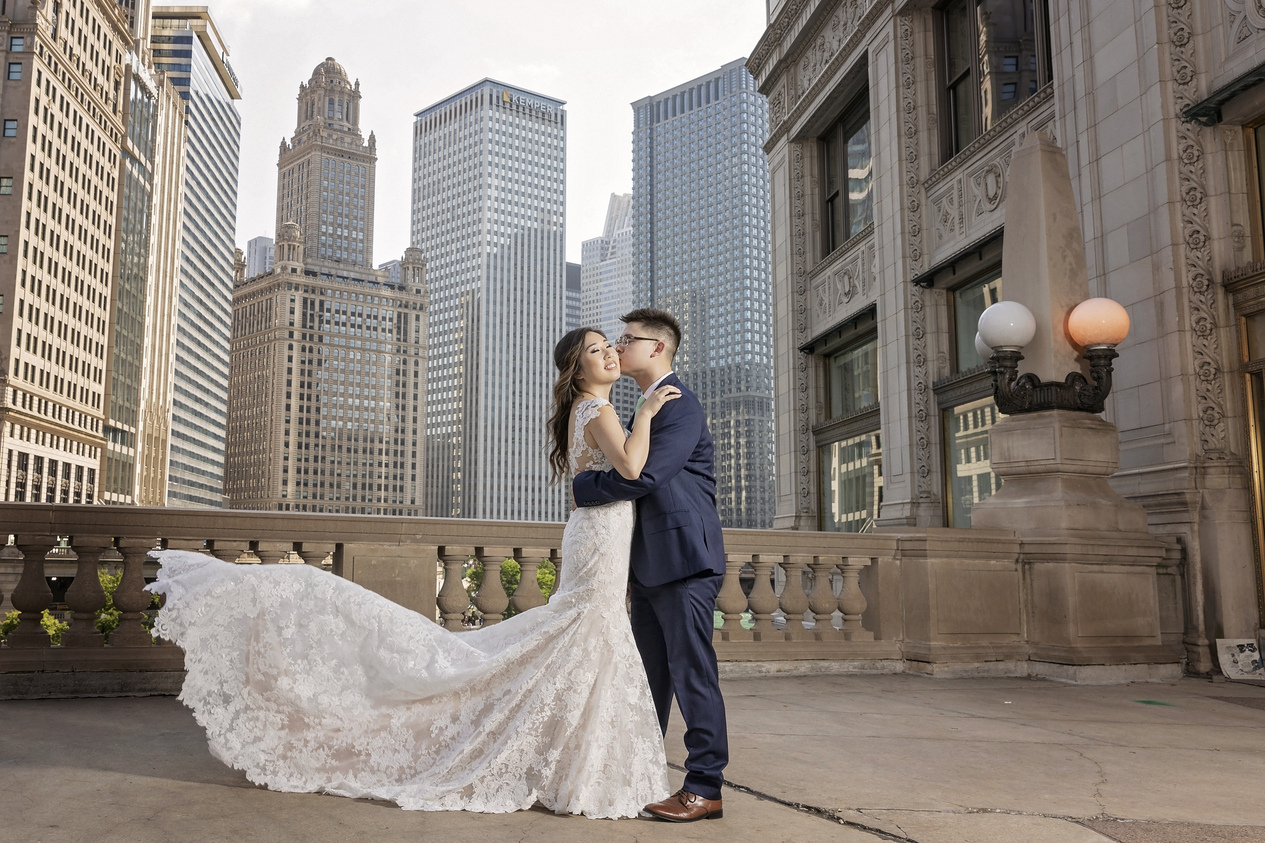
{"type": "Point", "coordinates": [566, 356]}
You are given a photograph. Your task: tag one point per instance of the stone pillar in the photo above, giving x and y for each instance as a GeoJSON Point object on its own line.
{"type": "Point", "coordinates": [453, 599]}
{"type": "Point", "coordinates": [492, 599]}
{"type": "Point", "coordinates": [1090, 565]}
{"type": "Point", "coordinates": [731, 601]}
{"type": "Point", "coordinates": [32, 594]}
{"type": "Point", "coordinates": [130, 597]}
{"type": "Point", "coordinates": [85, 596]}
{"type": "Point", "coordinates": [794, 599]}
{"type": "Point", "coordinates": [528, 594]}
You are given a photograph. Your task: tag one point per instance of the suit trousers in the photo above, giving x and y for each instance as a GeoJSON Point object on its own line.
{"type": "Point", "coordinates": [672, 625]}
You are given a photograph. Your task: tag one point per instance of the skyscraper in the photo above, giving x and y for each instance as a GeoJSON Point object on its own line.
{"type": "Point", "coordinates": [606, 277]}
{"type": "Point", "coordinates": [62, 135]}
{"type": "Point", "coordinates": [328, 389]}
{"type": "Point", "coordinates": [260, 255]}
{"type": "Point", "coordinates": [573, 297]}
{"type": "Point", "coordinates": [196, 60]}
{"type": "Point", "coordinates": [606, 282]}
{"type": "Point", "coordinates": [701, 250]}
{"type": "Point", "coordinates": [325, 173]}
{"type": "Point", "coordinates": [138, 388]}
{"type": "Point", "coordinates": [489, 209]}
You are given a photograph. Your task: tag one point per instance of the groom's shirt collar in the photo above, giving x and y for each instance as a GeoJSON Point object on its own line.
{"type": "Point", "coordinates": [654, 385]}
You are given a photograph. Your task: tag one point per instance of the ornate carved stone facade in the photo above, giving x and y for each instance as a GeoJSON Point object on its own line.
{"type": "Point", "coordinates": [1163, 215]}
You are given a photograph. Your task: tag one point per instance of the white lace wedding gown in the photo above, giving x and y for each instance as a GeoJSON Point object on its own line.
{"type": "Point", "coordinates": [310, 683]}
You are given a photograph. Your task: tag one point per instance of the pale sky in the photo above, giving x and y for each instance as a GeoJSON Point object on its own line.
{"type": "Point", "coordinates": [597, 55]}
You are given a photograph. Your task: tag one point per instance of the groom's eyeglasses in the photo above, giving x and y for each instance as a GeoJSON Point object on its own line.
{"type": "Point", "coordinates": [626, 340]}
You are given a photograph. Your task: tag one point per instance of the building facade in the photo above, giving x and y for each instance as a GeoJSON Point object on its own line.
{"type": "Point", "coordinates": [606, 286]}
{"type": "Point", "coordinates": [191, 51]}
{"type": "Point", "coordinates": [138, 393]}
{"type": "Point", "coordinates": [489, 211]}
{"type": "Point", "coordinates": [63, 135]}
{"type": "Point", "coordinates": [700, 219]}
{"type": "Point", "coordinates": [606, 275]}
{"type": "Point", "coordinates": [261, 254]}
{"type": "Point", "coordinates": [892, 127]}
{"type": "Point", "coordinates": [328, 389]}
{"type": "Point", "coordinates": [573, 297]}
{"type": "Point", "coordinates": [326, 172]}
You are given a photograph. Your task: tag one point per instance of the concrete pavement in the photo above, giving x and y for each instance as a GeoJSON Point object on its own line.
{"type": "Point", "coordinates": [843, 758]}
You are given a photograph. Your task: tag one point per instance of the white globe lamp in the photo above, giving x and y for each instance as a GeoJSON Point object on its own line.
{"type": "Point", "coordinates": [1007, 324]}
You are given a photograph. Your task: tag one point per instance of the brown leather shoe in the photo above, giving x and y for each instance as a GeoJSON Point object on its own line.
{"type": "Point", "coordinates": [686, 807]}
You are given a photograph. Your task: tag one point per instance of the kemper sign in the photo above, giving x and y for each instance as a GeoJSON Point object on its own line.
{"type": "Point", "coordinates": [518, 99]}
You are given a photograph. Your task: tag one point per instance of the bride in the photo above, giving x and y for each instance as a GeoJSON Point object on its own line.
{"type": "Point", "coordinates": [310, 683]}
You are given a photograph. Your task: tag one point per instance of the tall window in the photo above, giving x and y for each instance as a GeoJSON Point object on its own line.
{"type": "Point", "coordinates": [847, 175]}
{"type": "Point", "coordinates": [850, 449]}
{"type": "Point", "coordinates": [994, 54]}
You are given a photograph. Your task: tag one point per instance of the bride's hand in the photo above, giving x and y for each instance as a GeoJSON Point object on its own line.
{"type": "Point", "coordinates": [657, 399]}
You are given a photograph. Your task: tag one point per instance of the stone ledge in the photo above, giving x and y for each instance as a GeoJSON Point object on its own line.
{"type": "Point", "coordinates": [809, 651]}
{"type": "Point", "coordinates": [1104, 674]}
{"type": "Point", "coordinates": [90, 683]}
{"type": "Point", "coordinates": [89, 659]}
{"type": "Point", "coordinates": [803, 667]}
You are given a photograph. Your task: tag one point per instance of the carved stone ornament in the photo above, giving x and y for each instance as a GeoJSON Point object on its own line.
{"type": "Point", "coordinates": [920, 375]}
{"type": "Point", "coordinates": [1197, 252]}
{"type": "Point", "coordinates": [988, 185]}
{"type": "Point", "coordinates": [799, 248]}
{"type": "Point", "coordinates": [1243, 19]}
{"type": "Point", "coordinates": [823, 53]}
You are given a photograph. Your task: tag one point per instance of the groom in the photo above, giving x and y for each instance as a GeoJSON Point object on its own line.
{"type": "Point", "coordinates": [677, 562]}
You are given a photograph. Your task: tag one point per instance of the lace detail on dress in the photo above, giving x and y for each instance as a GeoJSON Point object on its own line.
{"type": "Point", "coordinates": [581, 457]}
{"type": "Point", "coordinates": [310, 683]}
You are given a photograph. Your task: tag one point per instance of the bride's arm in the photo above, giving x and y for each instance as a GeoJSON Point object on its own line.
{"type": "Point", "coordinates": [628, 455]}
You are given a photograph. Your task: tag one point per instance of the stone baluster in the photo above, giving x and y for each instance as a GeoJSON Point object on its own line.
{"type": "Point", "coordinates": [763, 600]}
{"type": "Point", "coordinates": [852, 602]}
{"type": "Point", "coordinates": [453, 599]}
{"type": "Point", "coordinates": [130, 597]}
{"type": "Point", "coordinates": [528, 594]}
{"type": "Point", "coordinates": [823, 601]}
{"type": "Point", "coordinates": [271, 553]}
{"type": "Point", "coordinates": [32, 595]}
{"type": "Point", "coordinates": [555, 556]}
{"type": "Point", "coordinates": [314, 553]}
{"type": "Point", "coordinates": [85, 596]}
{"type": "Point", "coordinates": [228, 550]}
{"type": "Point", "coordinates": [492, 599]}
{"type": "Point", "coordinates": [794, 599]}
{"type": "Point", "coordinates": [731, 601]}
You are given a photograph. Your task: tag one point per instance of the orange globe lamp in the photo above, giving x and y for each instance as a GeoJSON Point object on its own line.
{"type": "Point", "coordinates": [1097, 323]}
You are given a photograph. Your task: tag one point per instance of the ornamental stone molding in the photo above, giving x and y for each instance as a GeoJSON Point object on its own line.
{"type": "Point", "coordinates": [824, 53]}
{"type": "Point", "coordinates": [799, 249]}
{"type": "Point", "coordinates": [1243, 19]}
{"type": "Point", "coordinates": [845, 286]}
{"type": "Point", "coordinates": [1196, 250]}
{"type": "Point", "coordinates": [916, 297]}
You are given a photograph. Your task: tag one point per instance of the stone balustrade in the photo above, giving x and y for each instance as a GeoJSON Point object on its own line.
{"type": "Point", "coordinates": [790, 601]}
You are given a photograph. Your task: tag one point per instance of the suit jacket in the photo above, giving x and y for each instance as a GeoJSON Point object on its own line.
{"type": "Point", "coordinates": [677, 534]}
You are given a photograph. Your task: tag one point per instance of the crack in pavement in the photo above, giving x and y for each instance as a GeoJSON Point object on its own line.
{"type": "Point", "coordinates": [812, 810]}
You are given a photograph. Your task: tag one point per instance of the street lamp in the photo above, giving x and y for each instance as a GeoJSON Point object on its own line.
{"type": "Point", "coordinates": [1096, 325]}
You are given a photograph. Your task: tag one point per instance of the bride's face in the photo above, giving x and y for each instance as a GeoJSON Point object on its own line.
{"type": "Point", "coordinates": [599, 361]}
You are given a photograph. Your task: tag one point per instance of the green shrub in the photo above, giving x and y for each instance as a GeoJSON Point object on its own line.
{"type": "Point", "coordinates": [9, 623]}
{"type": "Point", "coordinates": [53, 627]}
{"type": "Point", "coordinates": [511, 573]}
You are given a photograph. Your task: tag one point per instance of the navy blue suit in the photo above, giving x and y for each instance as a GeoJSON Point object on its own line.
{"type": "Point", "coordinates": [677, 564]}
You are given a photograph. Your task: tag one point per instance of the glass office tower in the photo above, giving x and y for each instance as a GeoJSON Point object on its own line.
{"type": "Point", "coordinates": [489, 210]}
{"type": "Point", "coordinates": [189, 48]}
{"type": "Point", "coordinates": [701, 250]}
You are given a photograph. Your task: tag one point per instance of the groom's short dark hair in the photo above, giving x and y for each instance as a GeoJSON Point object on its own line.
{"type": "Point", "coordinates": [659, 322]}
